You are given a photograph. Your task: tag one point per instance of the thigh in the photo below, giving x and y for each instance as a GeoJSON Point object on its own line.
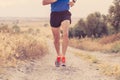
{"type": "Point", "coordinates": [65, 25]}
{"type": "Point", "coordinates": [66, 20]}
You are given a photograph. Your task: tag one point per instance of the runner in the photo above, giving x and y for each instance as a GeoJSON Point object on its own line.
{"type": "Point", "coordinates": [60, 18]}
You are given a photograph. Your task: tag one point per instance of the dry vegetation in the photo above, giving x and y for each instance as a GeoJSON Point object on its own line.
{"type": "Point", "coordinates": [105, 44]}
{"type": "Point", "coordinates": [110, 39]}
{"type": "Point", "coordinates": [14, 47]}
{"type": "Point", "coordinates": [87, 57]}
{"type": "Point", "coordinates": [106, 68]}
{"type": "Point", "coordinates": [18, 47]}
{"type": "Point", "coordinates": [109, 44]}
{"type": "Point", "coordinates": [110, 70]}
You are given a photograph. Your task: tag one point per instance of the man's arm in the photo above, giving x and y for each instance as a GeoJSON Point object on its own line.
{"type": "Point", "coordinates": [47, 2]}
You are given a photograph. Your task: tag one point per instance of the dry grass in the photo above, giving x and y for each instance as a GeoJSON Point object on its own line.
{"type": "Point", "coordinates": [90, 45]}
{"type": "Point", "coordinates": [110, 70]}
{"type": "Point", "coordinates": [20, 47]}
{"type": "Point", "coordinates": [25, 45]}
{"type": "Point", "coordinates": [106, 68]}
{"type": "Point", "coordinates": [110, 39]}
{"type": "Point", "coordinates": [106, 44]}
{"type": "Point", "coordinates": [87, 57]}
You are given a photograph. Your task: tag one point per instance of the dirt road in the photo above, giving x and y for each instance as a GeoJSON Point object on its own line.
{"type": "Point", "coordinates": [44, 69]}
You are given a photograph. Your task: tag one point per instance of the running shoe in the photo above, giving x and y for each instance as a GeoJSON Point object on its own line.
{"type": "Point", "coordinates": [57, 62]}
{"type": "Point", "coordinates": [63, 61]}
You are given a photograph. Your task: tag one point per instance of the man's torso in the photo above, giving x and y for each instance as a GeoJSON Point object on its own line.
{"type": "Point", "coordinates": [60, 5]}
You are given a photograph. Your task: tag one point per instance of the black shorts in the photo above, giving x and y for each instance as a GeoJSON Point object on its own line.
{"type": "Point", "coordinates": [57, 17]}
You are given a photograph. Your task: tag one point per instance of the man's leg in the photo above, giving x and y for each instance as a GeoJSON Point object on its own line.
{"type": "Point", "coordinates": [65, 25]}
{"type": "Point", "coordinates": [56, 35]}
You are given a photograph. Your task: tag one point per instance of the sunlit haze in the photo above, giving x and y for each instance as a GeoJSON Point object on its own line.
{"type": "Point", "coordinates": [34, 8]}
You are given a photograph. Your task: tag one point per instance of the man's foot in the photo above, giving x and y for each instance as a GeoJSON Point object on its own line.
{"type": "Point", "coordinates": [63, 61]}
{"type": "Point", "coordinates": [57, 62]}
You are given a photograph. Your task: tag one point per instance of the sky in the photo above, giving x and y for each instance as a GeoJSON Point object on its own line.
{"type": "Point", "coordinates": [34, 8]}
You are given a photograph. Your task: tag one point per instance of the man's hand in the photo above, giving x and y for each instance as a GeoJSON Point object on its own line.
{"type": "Point", "coordinates": [71, 4]}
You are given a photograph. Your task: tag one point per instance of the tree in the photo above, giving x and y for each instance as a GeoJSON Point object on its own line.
{"type": "Point", "coordinates": [79, 30]}
{"type": "Point", "coordinates": [96, 25]}
{"type": "Point", "coordinates": [92, 23]}
{"type": "Point", "coordinates": [114, 12]}
{"type": "Point", "coordinates": [71, 33]}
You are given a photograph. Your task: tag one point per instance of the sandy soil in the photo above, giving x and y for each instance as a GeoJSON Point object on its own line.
{"type": "Point", "coordinates": [44, 69]}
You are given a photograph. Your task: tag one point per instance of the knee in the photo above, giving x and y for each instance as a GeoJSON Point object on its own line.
{"type": "Point", "coordinates": [65, 34]}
